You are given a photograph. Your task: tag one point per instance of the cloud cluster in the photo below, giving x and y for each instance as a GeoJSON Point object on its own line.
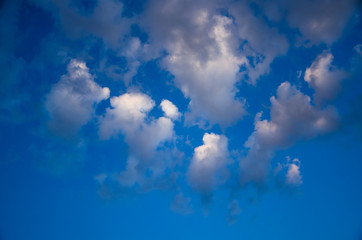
{"type": "Point", "coordinates": [128, 115]}
{"type": "Point", "coordinates": [292, 117]}
{"type": "Point", "coordinates": [71, 102]}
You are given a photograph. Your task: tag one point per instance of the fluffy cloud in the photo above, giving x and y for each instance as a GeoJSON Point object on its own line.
{"type": "Point", "coordinates": [324, 78]}
{"type": "Point", "coordinates": [208, 165]}
{"type": "Point", "coordinates": [293, 176]}
{"type": "Point", "coordinates": [128, 116]}
{"type": "Point", "coordinates": [252, 32]}
{"type": "Point", "coordinates": [209, 53]}
{"type": "Point", "coordinates": [216, 75]}
{"type": "Point", "coordinates": [292, 117]}
{"type": "Point", "coordinates": [71, 101]}
{"type": "Point", "coordinates": [170, 110]}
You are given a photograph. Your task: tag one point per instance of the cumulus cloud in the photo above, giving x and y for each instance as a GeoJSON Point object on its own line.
{"type": "Point", "coordinates": [209, 53]}
{"type": "Point", "coordinates": [324, 77]}
{"type": "Point", "coordinates": [208, 165]}
{"type": "Point", "coordinates": [128, 116]}
{"type": "Point", "coordinates": [170, 110]}
{"type": "Point", "coordinates": [71, 101]}
{"type": "Point", "coordinates": [293, 176]}
{"type": "Point", "coordinates": [292, 117]}
{"type": "Point", "coordinates": [215, 75]}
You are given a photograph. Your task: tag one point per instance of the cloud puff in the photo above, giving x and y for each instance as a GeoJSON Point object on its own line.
{"type": "Point", "coordinates": [208, 165]}
{"type": "Point", "coordinates": [324, 78]}
{"type": "Point", "coordinates": [170, 110]}
{"type": "Point", "coordinates": [71, 101]}
{"type": "Point", "coordinates": [128, 116]}
{"type": "Point", "coordinates": [292, 117]}
{"type": "Point", "coordinates": [293, 176]}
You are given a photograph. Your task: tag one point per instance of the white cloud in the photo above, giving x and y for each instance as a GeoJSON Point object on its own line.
{"type": "Point", "coordinates": [170, 110]}
{"type": "Point", "coordinates": [208, 165]}
{"type": "Point", "coordinates": [144, 135]}
{"type": "Point", "coordinates": [293, 176]}
{"type": "Point", "coordinates": [324, 78]}
{"type": "Point", "coordinates": [71, 101]}
{"type": "Point", "coordinates": [127, 114]}
{"type": "Point", "coordinates": [216, 75]}
{"type": "Point", "coordinates": [292, 118]}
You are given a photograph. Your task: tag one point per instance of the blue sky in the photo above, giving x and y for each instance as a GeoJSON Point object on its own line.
{"type": "Point", "coordinates": [178, 119]}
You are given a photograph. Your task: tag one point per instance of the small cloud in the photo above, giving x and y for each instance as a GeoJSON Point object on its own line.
{"type": "Point", "coordinates": [170, 110]}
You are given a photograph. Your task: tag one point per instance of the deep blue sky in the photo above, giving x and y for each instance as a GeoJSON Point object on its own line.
{"type": "Point", "coordinates": [178, 119]}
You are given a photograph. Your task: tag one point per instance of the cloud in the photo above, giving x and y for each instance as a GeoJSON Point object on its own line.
{"type": "Point", "coordinates": [105, 20]}
{"type": "Point", "coordinates": [208, 165]}
{"type": "Point", "coordinates": [292, 118]}
{"type": "Point", "coordinates": [252, 32]}
{"type": "Point", "coordinates": [71, 101]}
{"type": "Point", "coordinates": [324, 77]}
{"type": "Point", "coordinates": [293, 176]}
{"type": "Point", "coordinates": [209, 53]}
{"type": "Point", "coordinates": [216, 75]}
{"type": "Point", "coordinates": [170, 110]}
{"type": "Point", "coordinates": [318, 21]}
{"type": "Point", "coordinates": [128, 115]}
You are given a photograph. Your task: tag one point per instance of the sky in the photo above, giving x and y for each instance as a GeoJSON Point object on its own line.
{"type": "Point", "coordinates": [180, 119]}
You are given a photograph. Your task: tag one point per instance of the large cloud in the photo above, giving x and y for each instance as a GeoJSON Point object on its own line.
{"type": "Point", "coordinates": [216, 75]}
{"type": "Point", "coordinates": [71, 101]}
{"type": "Point", "coordinates": [324, 78]}
{"type": "Point", "coordinates": [292, 117]}
{"type": "Point", "coordinates": [208, 165]}
{"type": "Point", "coordinates": [208, 53]}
